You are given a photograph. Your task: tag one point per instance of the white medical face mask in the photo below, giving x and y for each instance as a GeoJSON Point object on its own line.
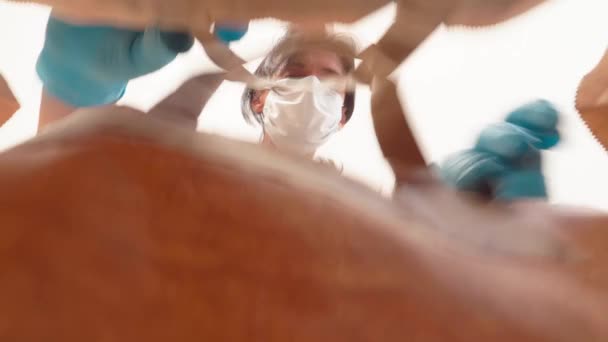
{"type": "Point", "coordinates": [300, 115]}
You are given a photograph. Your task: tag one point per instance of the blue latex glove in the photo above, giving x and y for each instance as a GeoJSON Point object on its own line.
{"type": "Point", "coordinates": [506, 160]}
{"type": "Point", "coordinates": [229, 33]}
{"type": "Point", "coordinates": [91, 65]}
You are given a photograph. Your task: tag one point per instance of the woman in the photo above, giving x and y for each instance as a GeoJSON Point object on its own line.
{"type": "Point", "coordinates": [300, 113]}
{"type": "Point", "coordinates": [83, 66]}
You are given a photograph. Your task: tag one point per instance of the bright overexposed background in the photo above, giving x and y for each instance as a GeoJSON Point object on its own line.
{"type": "Point", "coordinates": [460, 80]}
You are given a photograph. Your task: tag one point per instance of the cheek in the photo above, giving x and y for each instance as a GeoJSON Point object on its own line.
{"type": "Point", "coordinates": [257, 104]}
{"type": "Point", "coordinates": [343, 120]}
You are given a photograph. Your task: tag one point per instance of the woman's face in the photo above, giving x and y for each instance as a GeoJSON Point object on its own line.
{"type": "Point", "coordinates": [311, 62]}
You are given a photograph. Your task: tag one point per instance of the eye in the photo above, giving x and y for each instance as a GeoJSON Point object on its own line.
{"type": "Point", "coordinates": [296, 75]}
{"type": "Point", "coordinates": [296, 72]}
{"type": "Point", "coordinates": [328, 72]}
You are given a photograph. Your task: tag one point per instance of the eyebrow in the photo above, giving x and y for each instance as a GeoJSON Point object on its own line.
{"type": "Point", "coordinates": [296, 64]}
{"type": "Point", "coordinates": [332, 71]}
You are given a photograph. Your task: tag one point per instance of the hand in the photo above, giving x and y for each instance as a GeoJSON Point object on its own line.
{"type": "Point", "coordinates": [91, 65]}
{"type": "Point", "coordinates": [506, 160]}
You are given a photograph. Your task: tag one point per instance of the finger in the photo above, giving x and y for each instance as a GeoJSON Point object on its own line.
{"type": "Point", "coordinates": [185, 105]}
{"type": "Point", "coordinates": [222, 56]}
{"type": "Point", "coordinates": [198, 15]}
{"type": "Point", "coordinates": [311, 12]}
{"type": "Point", "coordinates": [414, 22]}
{"type": "Point", "coordinates": [151, 50]}
{"type": "Point", "coordinates": [219, 53]}
{"type": "Point", "coordinates": [540, 118]}
{"type": "Point", "coordinates": [484, 12]}
{"type": "Point", "coordinates": [593, 89]}
{"type": "Point", "coordinates": [394, 135]}
{"type": "Point", "coordinates": [8, 103]}
{"type": "Point", "coordinates": [596, 119]}
{"type": "Point", "coordinates": [472, 170]}
{"type": "Point", "coordinates": [538, 115]}
{"type": "Point", "coordinates": [592, 101]}
{"type": "Point", "coordinates": [107, 13]}
{"type": "Point", "coordinates": [506, 141]}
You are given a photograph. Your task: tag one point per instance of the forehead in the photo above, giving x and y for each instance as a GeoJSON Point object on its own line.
{"type": "Point", "coordinates": [314, 58]}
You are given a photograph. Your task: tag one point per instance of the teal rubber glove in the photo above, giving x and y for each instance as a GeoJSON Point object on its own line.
{"type": "Point", "coordinates": [229, 33]}
{"type": "Point", "coordinates": [505, 162]}
{"type": "Point", "coordinates": [91, 65]}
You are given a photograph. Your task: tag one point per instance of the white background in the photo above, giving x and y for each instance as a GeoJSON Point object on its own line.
{"type": "Point", "coordinates": [459, 81]}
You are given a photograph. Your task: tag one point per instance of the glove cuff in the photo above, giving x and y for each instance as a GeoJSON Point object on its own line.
{"type": "Point", "coordinates": [517, 185]}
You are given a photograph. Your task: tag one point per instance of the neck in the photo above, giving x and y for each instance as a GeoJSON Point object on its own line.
{"type": "Point", "coordinates": [269, 144]}
{"type": "Point", "coordinates": [266, 141]}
